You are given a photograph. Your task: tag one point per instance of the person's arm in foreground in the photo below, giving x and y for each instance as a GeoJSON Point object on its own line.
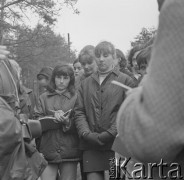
{"type": "Point", "coordinates": [151, 120]}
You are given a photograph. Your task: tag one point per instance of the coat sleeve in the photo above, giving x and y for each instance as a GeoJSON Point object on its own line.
{"type": "Point", "coordinates": [129, 82]}
{"type": "Point", "coordinates": [150, 121]}
{"type": "Point", "coordinates": [11, 133]}
{"type": "Point", "coordinates": [80, 114]}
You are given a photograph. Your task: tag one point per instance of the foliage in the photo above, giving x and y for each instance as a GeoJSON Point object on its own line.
{"type": "Point", "coordinates": [34, 46]}
{"type": "Point", "coordinates": [15, 13]}
{"type": "Point", "coordinates": [40, 47]}
{"type": "Point", "coordinates": [143, 37]}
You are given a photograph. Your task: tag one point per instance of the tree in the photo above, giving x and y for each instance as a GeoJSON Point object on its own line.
{"type": "Point", "coordinates": [43, 49]}
{"type": "Point", "coordinates": [15, 13]}
{"type": "Point", "coordinates": [32, 47]}
{"type": "Point", "coordinates": [144, 37]}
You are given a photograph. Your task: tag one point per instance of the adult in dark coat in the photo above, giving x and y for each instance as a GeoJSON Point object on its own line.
{"type": "Point", "coordinates": [18, 160]}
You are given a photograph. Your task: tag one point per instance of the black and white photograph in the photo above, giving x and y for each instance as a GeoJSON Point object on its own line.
{"type": "Point", "coordinates": [91, 89]}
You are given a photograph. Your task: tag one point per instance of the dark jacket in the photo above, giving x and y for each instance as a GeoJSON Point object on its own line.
{"type": "Point", "coordinates": [18, 158]}
{"type": "Point", "coordinates": [97, 105]}
{"type": "Point", "coordinates": [129, 73]}
{"type": "Point", "coordinates": [27, 102]}
{"type": "Point", "coordinates": [60, 144]}
{"type": "Point", "coordinates": [79, 79]}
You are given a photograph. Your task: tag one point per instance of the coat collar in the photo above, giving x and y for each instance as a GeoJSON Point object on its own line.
{"type": "Point", "coordinates": [66, 94]}
{"type": "Point", "coordinates": [115, 71]}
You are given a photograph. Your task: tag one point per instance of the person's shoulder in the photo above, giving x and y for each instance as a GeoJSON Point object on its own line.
{"type": "Point", "coordinates": [87, 80]}
{"type": "Point", "coordinates": [124, 76]}
{"type": "Point", "coordinates": [44, 94]}
{"type": "Point", "coordinates": [126, 79]}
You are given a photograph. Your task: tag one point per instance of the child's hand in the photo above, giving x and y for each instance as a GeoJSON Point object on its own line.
{"type": "Point", "coordinates": [57, 115]}
{"type": "Point", "coordinates": [60, 118]}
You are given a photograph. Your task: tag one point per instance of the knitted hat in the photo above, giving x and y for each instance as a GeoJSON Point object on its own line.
{"type": "Point", "coordinates": [45, 71]}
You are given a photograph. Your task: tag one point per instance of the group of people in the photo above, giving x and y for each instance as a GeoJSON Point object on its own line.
{"type": "Point", "coordinates": [91, 117]}
{"type": "Point", "coordinates": [86, 134]}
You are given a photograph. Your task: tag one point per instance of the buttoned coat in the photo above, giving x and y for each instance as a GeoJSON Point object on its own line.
{"type": "Point", "coordinates": [97, 105]}
{"type": "Point", "coordinates": [59, 144]}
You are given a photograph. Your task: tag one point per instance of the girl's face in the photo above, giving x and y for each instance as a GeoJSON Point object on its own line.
{"type": "Point", "coordinates": [77, 68]}
{"type": "Point", "coordinates": [62, 82]}
{"type": "Point", "coordinates": [89, 66]}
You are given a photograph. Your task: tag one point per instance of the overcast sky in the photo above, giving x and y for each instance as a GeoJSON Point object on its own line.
{"type": "Point", "coordinates": [117, 21]}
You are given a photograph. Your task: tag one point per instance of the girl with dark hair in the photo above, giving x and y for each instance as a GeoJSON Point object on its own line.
{"type": "Point", "coordinates": [60, 146]}
{"type": "Point", "coordinates": [78, 70]}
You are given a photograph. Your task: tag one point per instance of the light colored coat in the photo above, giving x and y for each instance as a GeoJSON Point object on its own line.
{"type": "Point", "coordinates": [151, 120]}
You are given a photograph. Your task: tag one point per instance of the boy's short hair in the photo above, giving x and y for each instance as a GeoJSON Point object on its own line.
{"type": "Point", "coordinates": [105, 47]}
{"type": "Point", "coordinates": [87, 53]}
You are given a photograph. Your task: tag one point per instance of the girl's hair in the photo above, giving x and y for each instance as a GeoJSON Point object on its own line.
{"type": "Point", "coordinates": [121, 56]}
{"type": "Point", "coordinates": [76, 61]}
{"type": "Point", "coordinates": [144, 56]}
{"type": "Point", "coordinates": [132, 54]}
{"type": "Point", "coordinates": [62, 70]}
{"type": "Point", "coordinates": [105, 47]}
{"type": "Point", "coordinates": [87, 53]}
{"type": "Point", "coordinates": [137, 49]}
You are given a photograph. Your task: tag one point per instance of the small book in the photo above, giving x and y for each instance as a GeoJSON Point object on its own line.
{"type": "Point", "coordinates": [47, 118]}
{"type": "Point", "coordinates": [48, 123]}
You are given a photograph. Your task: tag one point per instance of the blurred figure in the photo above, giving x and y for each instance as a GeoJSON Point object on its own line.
{"type": "Point", "coordinates": [150, 121]}
{"type": "Point", "coordinates": [18, 158]}
{"type": "Point", "coordinates": [26, 95]}
{"type": "Point", "coordinates": [43, 78]}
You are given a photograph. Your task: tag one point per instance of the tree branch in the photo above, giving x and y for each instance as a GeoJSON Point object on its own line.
{"type": "Point", "coordinates": [10, 4]}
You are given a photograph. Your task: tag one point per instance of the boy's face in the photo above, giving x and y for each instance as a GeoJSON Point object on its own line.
{"type": "Point", "coordinates": [42, 81]}
{"type": "Point", "coordinates": [105, 62]}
